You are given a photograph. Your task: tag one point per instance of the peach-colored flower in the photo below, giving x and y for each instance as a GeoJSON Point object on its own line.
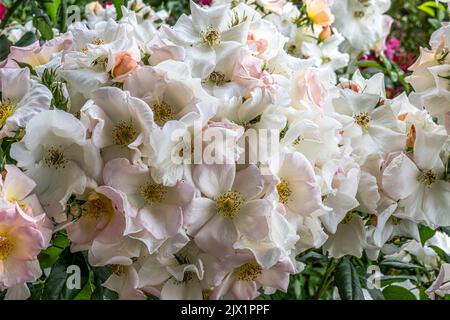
{"type": "Point", "coordinates": [94, 7]}
{"type": "Point", "coordinates": [319, 12]}
{"type": "Point", "coordinates": [325, 34]}
{"type": "Point", "coordinates": [124, 64]}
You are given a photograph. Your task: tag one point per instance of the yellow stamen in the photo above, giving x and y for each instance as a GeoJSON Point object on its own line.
{"type": "Point", "coordinates": [284, 191]}
{"type": "Point", "coordinates": [229, 204]}
{"type": "Point", "coordinates": [249, 271]}
{"type": "Point", "coordinates": [97, 206]}
{"type": "Point", "coordinates": [124, 133]}
{"type": "Point", "coordinates": [6, 110]}
{"type": "Point", "coordinates": [6, 246]}
{"type": "Point", "coordinates": [55, 158]}
{"type": "Point", "coordinates": [362, 119]}
{"type": "Point", "coordinates": [153, 193]}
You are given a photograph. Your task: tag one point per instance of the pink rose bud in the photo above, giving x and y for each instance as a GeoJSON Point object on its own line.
{"type": "Point", "coordinates": [124, 64]}
{"type": "Point", "coordinates": [325, 34]}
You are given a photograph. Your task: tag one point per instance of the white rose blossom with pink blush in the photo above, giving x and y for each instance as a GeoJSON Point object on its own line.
{"type": "Point", "coordinates": [206, 159]}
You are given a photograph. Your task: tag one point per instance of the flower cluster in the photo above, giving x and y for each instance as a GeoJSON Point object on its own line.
{"type": "Point", "coordinates": [198, 160]}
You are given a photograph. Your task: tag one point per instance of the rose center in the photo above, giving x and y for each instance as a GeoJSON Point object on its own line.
{"type": "Point", "coordinates": [427, 177]}
{"type": "Point", "coordinates": [153, 193]}
{"type": "Point", "coordinates": [362, 119]}
{"type": "Point", "coordinates": [6, 246]}
{"type": "Point", "coordinates": [124, 133]}
{"type": "Point", "coordinates": [162, 112]}
{"type": "Point", "coordinates": [284, 191]}
{"type": "Point", "coordinates": [248, 271]}
{"type": "Point", "coordinates": [229, 204]}
{"type": "Point", "coordinates": [55, 158]}
{"type": "Point", "coordinates": [97, 206]}
{"type": "Point", "coordinates": [211, 36]}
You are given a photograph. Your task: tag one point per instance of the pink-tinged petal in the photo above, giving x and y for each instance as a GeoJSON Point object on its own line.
{"type": "Point", "coordinates": [222, 289]}
{"type": "Point", "coordinates": [214, 180]}
{"type": "Point", "coordinates": [253, 220]}
{"type": "Point", "coordinates": [200, 211]}
{"type": "Point", "coordinates": [28, 242]}
{"type": "Point", "coordinates": [181, 195]}
{"type": "Point", "coordinates": [174, 290]}
{"type": "Point", "coordinates": [17, 185]}
{"type": "Point", "coordinates": [18, 292]}
{"type": "Point", "coordinates": [245, 290]}
{"type": "Point", "coordinates": [306, 197]}
{"type": "Point", "coordinates": [126, 285]}
{"type": "Point", "coordinates": [427, 148]}
{"type": "Point", "coordinates": [113, 232]}
{"type": "Point", "coordinates": [399, 176]}
{"type": "Point", "coordinates": [161, 220]}
{"type": "Point", "coordinates": [249, 182]}
{"type": "Point", "coordinates": [217, 236]}
{"type": "Point", "coordinates": [16, 271]}
{"type": "Point", "coordinates": [278, 276]}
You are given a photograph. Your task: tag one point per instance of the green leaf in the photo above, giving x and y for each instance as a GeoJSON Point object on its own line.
{"type": "Point", "coordinates": [425, 233]}
{"type": "Point", "coordinates": [399, 265]}
{"type": "Point", "coordinates": [101, 274]}
{"type": "Point", "coordinates": [118, 4]}
{"type": "Point", "coordinates": [27, 39]}
{"type": "Point", "coordinates": [43, 27]}
{"type": "Point", "coordinates": [55, 285]}
{"type": "Point", "coordinates": [52, 10]}
{"type": "Point", "coordinates": [48, 257]}
{"type": "Point", "coordinates": [441, 253]}
{"type": "Point", "coordinates": [5, 44]}
{"type": "Point", "coordinates": [347, 281]}
{"type": "Point", "coordinates": [397, 293]}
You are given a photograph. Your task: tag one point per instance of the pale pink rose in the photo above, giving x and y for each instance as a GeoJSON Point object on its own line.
{"type": "Point", "coordinates": [319, 12]}
{"type": "Point", "coordinates": [20, 243]}
{"type": "Point", "coordinates": [249, 71]}
{"type": "Point", "coordinates": [124, 64]}
{"type": "Point", "coordinates": [102, 219]}
{"type": "Point", "coordinates": [311, 87]}
{"type": "Point", "coordinates": [34, 54]}
{"type": "Point", "coordinates": [243, 277]}
{"type": "Point", "coordinates": [295, 183]}
{"type": "Point", "coordinates": [230, 208]}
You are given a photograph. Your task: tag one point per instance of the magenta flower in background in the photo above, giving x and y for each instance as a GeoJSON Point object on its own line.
{"type": "Point", "coordinates": [3, 10]}
{"type": "Point", "coordinates": [392, 47]}
{"type": "Point", "coordinates": [205, 2]}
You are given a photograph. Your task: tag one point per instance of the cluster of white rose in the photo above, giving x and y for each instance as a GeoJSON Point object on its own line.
{"type": "Point", "coordinates": [198, 160]}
